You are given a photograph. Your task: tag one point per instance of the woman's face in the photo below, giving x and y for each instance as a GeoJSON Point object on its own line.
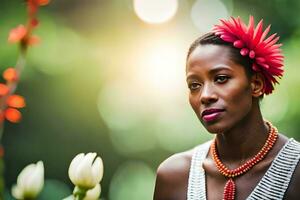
{"type": "Point", "coordinates": [220, 91]}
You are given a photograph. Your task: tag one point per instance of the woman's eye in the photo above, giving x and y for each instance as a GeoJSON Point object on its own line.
{"type": "Point", "coordinates": [194, 86]}
{"type": "Point", "coordinates": [221, 78]}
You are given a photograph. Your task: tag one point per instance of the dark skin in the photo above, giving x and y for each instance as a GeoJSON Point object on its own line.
{"type": "Point", "coordinates": [215, 81]}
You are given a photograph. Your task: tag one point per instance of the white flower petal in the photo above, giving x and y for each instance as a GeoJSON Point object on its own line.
{"type": "Point", "coordinates": [71, 197]}
{"type": "Point", "coordinates": [30, 181]}
{"type": "Point", "coordinates": [84, 171]}
{"type": "Point", "coordinates": [24, 174]}
{"type": "Point", "coordinates": [93, 194]}
{"type": "Point", "coordinates": [17, 192]}
{"type": "Point", "coordinates": [97, 170]}
{"type": "Point", "coordinates": [35, 182]}
{"type": "Point", "coordinates": [89, 158]}
{"type": "Point", "coordinates": [74, 164]}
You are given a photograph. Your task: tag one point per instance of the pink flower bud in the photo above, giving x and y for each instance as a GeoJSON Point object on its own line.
{"type": "Point", "coordinates": [252, 54]}
{"type": "Point", "coordinates": [238, 44]}
{"type": "Point", "coordinates": [244, 51]}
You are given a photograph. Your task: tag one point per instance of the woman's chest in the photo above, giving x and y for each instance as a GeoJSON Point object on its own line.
{"type": "Point", "coordinates": [244, 184]}
{"type": "Point", "coordinates": [243, 187]}
{"type": "Point", "coordinates": [268, 179]}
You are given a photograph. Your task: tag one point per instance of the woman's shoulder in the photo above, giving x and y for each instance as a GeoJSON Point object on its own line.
{"type": "Point", "coordinates": [180, 162]}
{"type": "Point", "coordinates": [173, 174]}
{"type": "Point", "coordinates": [176, 165]}
{"type": "Point", "coordinates": [172, 177]}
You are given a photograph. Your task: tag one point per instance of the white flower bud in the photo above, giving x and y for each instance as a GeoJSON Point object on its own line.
{"type": "Point", "coordinates": [85, 171]}
{"type": "Point", "coordinates": [93, 194]}
{"type": "Point", "coordinates": [30, 182]}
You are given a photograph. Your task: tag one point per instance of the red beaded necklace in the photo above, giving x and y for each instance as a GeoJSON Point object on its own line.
{"type": "Point", "coordinates": [229, 189]}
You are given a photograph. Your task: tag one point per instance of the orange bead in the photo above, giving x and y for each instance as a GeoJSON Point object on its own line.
{"type": "Point", "coordinates": [273, 133]}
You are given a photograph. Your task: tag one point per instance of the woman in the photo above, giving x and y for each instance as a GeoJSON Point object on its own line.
{"type": "Point", "coordinates": [228, 72]}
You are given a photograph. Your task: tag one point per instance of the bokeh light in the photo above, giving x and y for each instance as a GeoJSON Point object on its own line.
{"type": "Point", "coordinates": [155, 11]}
{"type": "Point", "coordinates": [160, 69]}
{"type": "Point", "coordinates": [206, 13]}
{"type": "Point", "coordinates": [133, 180]}
{"type": "Point", "coordinates": [153, 85]}
{"type": "Point", "coordinates": [57, 54]}
{"type": "Point", "coordinates": [146, 105]}
{"type": "Point", "coordinates": [124, 111]}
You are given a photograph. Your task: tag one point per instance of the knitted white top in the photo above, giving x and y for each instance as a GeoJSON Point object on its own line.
{"type": "Point", "coordinates": [273, 184]}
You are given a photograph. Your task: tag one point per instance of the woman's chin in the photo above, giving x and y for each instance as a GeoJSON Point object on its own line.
{"type": "Point", "coordinates": [214, 128]}
{"type": "Point", "coordinates": [214, 131]}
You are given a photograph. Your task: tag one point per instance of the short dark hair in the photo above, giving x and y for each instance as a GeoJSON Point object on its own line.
{"type": "Point", "coordinates": [211, 38]}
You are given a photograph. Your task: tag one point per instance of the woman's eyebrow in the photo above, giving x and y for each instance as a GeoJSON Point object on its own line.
{"type": "Point", "coordinates": [214, 70]}
{"type": "Point", "coordinates": [192, 76]}
{"type": "Point", "coordinates": [219, 68]}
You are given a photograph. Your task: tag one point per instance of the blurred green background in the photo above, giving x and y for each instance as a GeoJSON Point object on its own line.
{"type": "Point", "coordinates": [105, 80]}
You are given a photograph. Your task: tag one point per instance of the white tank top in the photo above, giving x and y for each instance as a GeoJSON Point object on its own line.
{"type": "Point", "coordinates": [273, 184]}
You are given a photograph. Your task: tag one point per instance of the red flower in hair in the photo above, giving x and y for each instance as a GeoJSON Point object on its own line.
{"type": "Point", "coordinates": [252, 41]}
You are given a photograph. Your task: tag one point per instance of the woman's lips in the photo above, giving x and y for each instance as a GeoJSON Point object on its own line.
{"type": "Point", "coordinates": [211, 116]}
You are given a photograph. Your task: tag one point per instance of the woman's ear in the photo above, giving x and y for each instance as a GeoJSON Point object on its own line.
{"type": "Point", "coordinates": [257, 85]}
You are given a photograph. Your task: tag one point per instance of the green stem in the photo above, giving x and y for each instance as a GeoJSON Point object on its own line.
{"type": "Point", "coordinates": [79, 193]}
{"type": "Point", "coordinates": [78, 198]}
{"type": "Point", "coordinates": [1, 178]}
{"type": "Point", "coordinates": [21, 62]}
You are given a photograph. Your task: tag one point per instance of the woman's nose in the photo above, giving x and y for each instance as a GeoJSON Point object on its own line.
{"type": "Point", "coordinates": [208, 95]}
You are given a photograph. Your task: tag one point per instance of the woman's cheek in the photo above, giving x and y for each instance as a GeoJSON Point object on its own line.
{"type": "Point", "coordinates": [195, 104]}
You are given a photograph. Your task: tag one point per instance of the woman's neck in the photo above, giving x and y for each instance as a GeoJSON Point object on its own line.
{"type": "Point", "coordinates": [243, 141]}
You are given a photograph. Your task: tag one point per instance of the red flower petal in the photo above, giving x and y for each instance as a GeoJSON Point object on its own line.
{"type": "Point", "coordinates": [13, 115]}
{"type": "Point", "coordinates": [3, 90]}
{"type": "Point", "coordinates": [33, 40]}
{"type": "Point", "coordinates": [16, 101]}
{"type": "Point", "coordinates": [42, 2]}
{"type": "Point", "coordinates": [10, 75]}
{"type": "Point", "coordinates": [34, 22]}
{"type": "Point", "coordinates": [17, 34]}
